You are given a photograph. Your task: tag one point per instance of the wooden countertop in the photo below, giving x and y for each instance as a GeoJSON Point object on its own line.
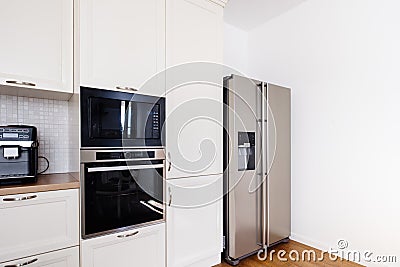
{"type": "Point", "coordinates": [45, 182]}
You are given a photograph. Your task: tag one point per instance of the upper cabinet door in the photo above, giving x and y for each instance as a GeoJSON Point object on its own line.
{"type": "Point", "coordinates": [194, 88]}
{"type": "Point", "coordinates": [36, 48]}
{"type": "Point", "coordinates": [122, 44]}
{"type": "Point", "coordinates": [194, 31]}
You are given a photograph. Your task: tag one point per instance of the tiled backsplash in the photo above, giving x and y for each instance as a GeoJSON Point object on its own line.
{"type": "Point", "coordinates": [51, 119]}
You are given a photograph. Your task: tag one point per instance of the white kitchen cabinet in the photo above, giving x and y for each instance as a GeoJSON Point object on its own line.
{"type": "Point", "coordinates": [122, 44]}
{"type": "Point", "coordinates": [194, 31]}
{"type": "Point", "coordinates": [36, 223]}
{"type": "Point", "coordinates": [61, 258]}
{"type": "Point", "coordinates": [194, 221]}
{"type": "Point", "coordinates": [138, 247]}
{"type": "Point", "coordinates": [194, 93]}
{"type": "Point", "coordinates": [36, 48]}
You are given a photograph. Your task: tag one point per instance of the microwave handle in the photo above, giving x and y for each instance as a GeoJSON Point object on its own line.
{"type": "Point", "coordinates": [125, 168]}
{"type": "Point", "coordinates": [123, 110]}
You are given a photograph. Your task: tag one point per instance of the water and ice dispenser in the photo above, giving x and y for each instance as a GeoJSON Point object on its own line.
{"type": "Point", "coordinates": [246, 151]}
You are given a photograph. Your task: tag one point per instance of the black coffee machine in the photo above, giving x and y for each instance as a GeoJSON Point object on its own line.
{"type": "Point", "coordinates": [18, 154]}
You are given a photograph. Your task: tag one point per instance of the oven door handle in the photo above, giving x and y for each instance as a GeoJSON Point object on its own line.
{"type": "Point", "coordinates": [125, 168]}
{"type": "Point", "coordinates": [148, 205]}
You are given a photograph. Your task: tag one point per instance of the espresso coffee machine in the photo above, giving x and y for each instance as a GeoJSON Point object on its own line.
{"type": "Point", "coordinates": [18, 154]}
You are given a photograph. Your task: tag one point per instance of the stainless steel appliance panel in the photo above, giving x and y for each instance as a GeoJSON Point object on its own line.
{"type": "Point", "coordinates": [243, 205]}
{"type": "Point", "coordinates": [279, 163]}
{"type": "Point", "coordinates": [257, 161]}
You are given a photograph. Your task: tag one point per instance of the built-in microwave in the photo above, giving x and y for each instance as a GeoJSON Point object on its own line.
{"type": "Point", "coordinates": [120, 119]}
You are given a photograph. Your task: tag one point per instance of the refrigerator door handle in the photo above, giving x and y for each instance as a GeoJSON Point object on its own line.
{"type": "Point", "coordinates": [264, 167]}
{"type": "Point", "coordinates": [260, 171]}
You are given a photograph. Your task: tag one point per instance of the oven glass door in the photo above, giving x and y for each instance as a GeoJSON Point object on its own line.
{"type": "Point", "coordinates": [118, 196]}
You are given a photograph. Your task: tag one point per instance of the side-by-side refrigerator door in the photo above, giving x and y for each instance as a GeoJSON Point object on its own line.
{"type": "Point", "coordinates": [278, 163]}
{"type": "Point", "coordinates": [243, 207]}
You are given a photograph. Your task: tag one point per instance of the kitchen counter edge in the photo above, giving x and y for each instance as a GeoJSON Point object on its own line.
{"type": "Point", "coordinates": [45, 182]}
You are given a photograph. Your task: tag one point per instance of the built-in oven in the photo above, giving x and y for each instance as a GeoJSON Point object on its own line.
{"type": "Point", "coordinates": [121, 189]}
{"type": "Point", "coordinates": [117, 119]}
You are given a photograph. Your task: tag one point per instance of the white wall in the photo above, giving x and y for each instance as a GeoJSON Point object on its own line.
{"type": "Point", "coordinates": [235, 48]}
{"type": "Point", "coordinates": [342, 59]}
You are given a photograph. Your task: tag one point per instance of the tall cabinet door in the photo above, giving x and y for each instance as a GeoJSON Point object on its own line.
{"type": "Point", "coordinates": [194, 92]}
{"type": "Point", "coordinates": [122, 44]}
{"type": "Point", "coordinates": [194, 221]}
{"type": "Point", "coordinates": [36, 48]}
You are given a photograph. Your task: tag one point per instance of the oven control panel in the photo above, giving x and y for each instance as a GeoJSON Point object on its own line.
{"type": "Point", "coordinates": [124, 155]}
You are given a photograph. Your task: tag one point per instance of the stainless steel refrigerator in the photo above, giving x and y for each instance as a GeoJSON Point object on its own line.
{"type": "Point", "coordinates": [257, 164]}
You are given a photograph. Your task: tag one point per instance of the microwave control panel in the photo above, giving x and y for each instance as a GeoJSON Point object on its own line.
{"type": "Point", "coordinates": [156, 121]}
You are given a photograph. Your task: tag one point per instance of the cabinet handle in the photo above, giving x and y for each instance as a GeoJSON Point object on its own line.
{"type": "Point", "coordinates": [126, 88]}
{"type": "Point", "coordinates": [22, 264]}
{"type": "Point", "coordinates": [169, 161]}
{"type": "Point", "coordinates": [128, 235]}
{"type": "Point", "coordinates": [19, 198]}
{"type": "Point", "coordinates": [21, 83]}
{"type": "Point", "coordinates": [170, 197]}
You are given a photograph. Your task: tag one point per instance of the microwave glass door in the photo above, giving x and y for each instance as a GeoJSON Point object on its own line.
{"type": "Point", "coordinates": [116, 119]}
{"type": "Point", "coordinates": [105, 118]}
{"type": "Point", "coordinates": [115, 197]}
{"type": "Point", "coordinates": [141, 120]}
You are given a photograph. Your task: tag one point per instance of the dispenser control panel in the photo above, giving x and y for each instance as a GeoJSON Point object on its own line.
{"type": "Point", "coordinates": [246, 151]}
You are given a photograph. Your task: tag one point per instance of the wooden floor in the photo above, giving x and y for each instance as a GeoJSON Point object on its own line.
{"type": "Point", "coordinates": [292, 245]}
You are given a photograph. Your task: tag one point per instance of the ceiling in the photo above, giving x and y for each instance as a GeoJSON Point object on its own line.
{"type": "Point", "coordinates": [248, 14]}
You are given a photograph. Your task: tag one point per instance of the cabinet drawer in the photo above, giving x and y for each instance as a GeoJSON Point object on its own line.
{"type": "Point", "coordinates": [61, 258]}
{"type": "Point", "coordinates": [138, 247]}
{"type": "Point", "coordinates": [35, 223]}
